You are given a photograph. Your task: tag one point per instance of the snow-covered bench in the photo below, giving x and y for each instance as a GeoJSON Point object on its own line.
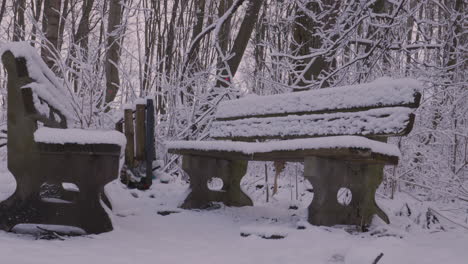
{"type": "Point", "coordinates": [60, 172]}
{"type": "Point", "coordinates": [339, 133]}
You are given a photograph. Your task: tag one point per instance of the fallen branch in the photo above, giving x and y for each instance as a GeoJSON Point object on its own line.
{"type": "Point", "coordinates": [446, 218]}
{"type": "Point", "coordinates": [378, 258]}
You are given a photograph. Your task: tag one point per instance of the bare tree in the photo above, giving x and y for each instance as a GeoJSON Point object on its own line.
{"type": "Point", "coordinates": [2, 10]}
{"type": "Point", "coordinates": [51, 21]}
{"type": "Point", "coordinates": [36, 8]}
{"type": "Point", "coordinates": [113, 50]}
{"type": "Point", "coordinates": [19, 26]}
{"type": "Point", "coordinates": [312, 26]}
{"type": "Point", "coordinates": [240, 43]}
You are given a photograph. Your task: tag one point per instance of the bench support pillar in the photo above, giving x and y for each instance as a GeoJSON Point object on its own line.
{"type": "Point", "coordinates": [327, 176]}
{"type": "Point", "coordinates": [87, 213]}
{"type": "Point", "coordinates": [40, 198]}
{"type": "Point", "coordinates": [201, 169]}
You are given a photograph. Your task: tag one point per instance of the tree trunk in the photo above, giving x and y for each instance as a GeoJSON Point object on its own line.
{"type": "Point", "coordinates": [193, 62]}
{"type": "Point", "coordinates": [197, 29]}
{"type": "Point", "coordinates": [63, 19]}
{"type": "Point", "coordinates": [82, 34]}
{"type": "Point", "coordinates": [36, 7]}
{"type": "Point", "coordinates": [51, 20]}
{"type": "Point", "coordinates": [80, 38]}
{"type": "Point", "coordinates": [2, 10]}
{"type": "Point", "coordinates": [409, 34]}
{"type": "Point", "coordinates": [259, 51]}
{"type": "Point", "coordinates": [151, 22]}
{"type": "Point", "coordinates": [113, 50]}
{"type": "Point", "coordinates": [170, 38]}
{"type": "Point", "coordinates": [241, 41]}
{"type": "Point", "coordinates": [224, 34]}
{"type": "Point", "coordinates": [305, 35]}
{"type": "Point", "coordinates": [19, 27]}
{"type": "Point", "coordinates": [378, 7]}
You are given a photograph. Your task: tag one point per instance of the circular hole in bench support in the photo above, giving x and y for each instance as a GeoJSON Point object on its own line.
{"type": "Point", "coordinates": [344, 196]}
{"type": "Point", "coordinates": [215, 184]}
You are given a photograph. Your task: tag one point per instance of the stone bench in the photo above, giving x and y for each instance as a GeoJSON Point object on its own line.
{"type": "Point", "coordinates": [339, 133]}
{"type": "Point", "coordinates": [60, 172]}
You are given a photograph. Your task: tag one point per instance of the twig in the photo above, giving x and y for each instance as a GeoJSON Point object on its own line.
{"type": "Point", "coordinates": [378, 258]}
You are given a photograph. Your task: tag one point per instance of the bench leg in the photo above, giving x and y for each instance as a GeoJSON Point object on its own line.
{"type": "Point", "coordinates": [89, 211]}
{"type": "Point", "coordinates": [15, 211]}
{"type": "Point", "coordinates": [22, 205]}
{"type": "Point", "coordinates": [86, 213]}
{"type": "Point", "coordinates": [327, 176]}
{"type": "Point", "coordinates": [201, 169]}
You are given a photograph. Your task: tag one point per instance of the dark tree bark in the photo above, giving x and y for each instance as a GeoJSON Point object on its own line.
{"type": "Point", "coordinates": [81, 37]}
{"type": "Point", "coordinates": [2, 10]}
{"type": "Point", "coordinates": [197, 29]}
{"type": "Point", "coordinates": [225, 32]}
{"type": "Point", "coordinates": [51, 20]}
{"type": "Point", "coordinates": [170, 38]}
{"type": "Point", "coordinates": [18, 32]}
{"type": "Point", "coordinates": [259, 50]}
{"type": "Point", "coordinates": [193, 63]}
{"type": "Point", "coordinates": [63, 19]}
{"type": "Point", "coordinates": [151, 23]}
{"type": "Point", "coordinates": [306, 38]}
{"type": "Point", "coordinates": [457, 37]}
{"type": "Point", "coordinates": [409, 34]}
{"type": "Point", "coordinates": [195, 44]}
{"type": "Point", "coordinates": [241, 41]}
{"type": "Point", "coordinates": [36, 7]}
{"type": "Point", "coordinates": [113, 50]}
{"type": "Point", "coordinates": [378, 7]}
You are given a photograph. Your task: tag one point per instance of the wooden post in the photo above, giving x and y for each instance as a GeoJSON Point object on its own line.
{"type": "Point", "coordinates": [140, 133]}
{"type": "Point", "coordinates": [150, 147]}
{"type": "Point", "coordinates": [266, 183]}
{"type": "Point", "coordinates": [129, 134]}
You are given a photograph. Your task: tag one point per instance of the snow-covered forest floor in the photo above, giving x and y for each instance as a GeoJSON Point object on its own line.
{"type": "Point", "coordinates": [141, 235]}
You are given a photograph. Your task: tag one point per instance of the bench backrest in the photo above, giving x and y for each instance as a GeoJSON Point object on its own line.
{"type": "Point", "coordinates": [34, 94]}
{"type": "Point", "coordinates": [43, 96]}
{"type": "Point", "coordinates": [381, 108]}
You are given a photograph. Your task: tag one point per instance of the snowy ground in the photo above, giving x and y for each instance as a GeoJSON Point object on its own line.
{"type": "Point", "coordinates": [141, 235]}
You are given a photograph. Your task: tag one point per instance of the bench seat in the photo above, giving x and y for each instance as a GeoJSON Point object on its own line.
{"type": "Point", "coordinates": [351, 148]}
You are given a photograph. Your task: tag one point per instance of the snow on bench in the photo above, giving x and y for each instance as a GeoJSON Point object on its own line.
{"type": "Point", "coordinates": [382, 121]}
{"type": "Point", "coordinates": [381, 108]}
{"type": "Point", "coordinates": [79, 136]}
{"type": "Point", "coordinates": [287, 148]}
{"type": "Point", "coordinates": [46, 90]}
{"type": "Point", "coordinates": [379, 93]}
